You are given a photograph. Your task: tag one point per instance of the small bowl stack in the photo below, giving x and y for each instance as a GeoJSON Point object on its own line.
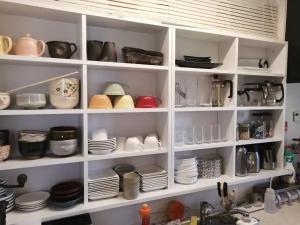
{"type": "Point", "coordinates": [32, 201]}
{"type": "Point", "coordinates": [66, 194]}
{"type": "Point", "coordinates": [63, 141]}
{"type": "Point", "coordinates": [186, 171]}
{"type": "Point", "coordinates": [102, 147]}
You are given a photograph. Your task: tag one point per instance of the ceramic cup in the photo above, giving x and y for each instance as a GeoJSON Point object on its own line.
{"type": "Point", "coordinates": [64, 93]}
{"type": "Point", "coordinates": [100, 102]}
{"type": "Point", "coordinates": [94, 49]}
{"type": "Point", "coordinates": [121, 142]}
{"type": "Point", "coordinates": [63, 148]}
{"type": "Point", "coordinates": [61, 49]}
{"type": "Point", "coordinates": [124, 102]}
{"type": "Point", "coordinates": [133, 144]}
{"type": "Point", "coordinates": [4, 100]}
{"type": "Point", "coordinates": [109, 53]}
{"type": "Point", "coordinates": [6, 44]}
{"type": "Point", "coordinates": [152, 142]}
{"type": "Point", "coordinates": [115, 88]}
{"type": "Point", "coordinates": [100, 134]}
{"type": "Point", "coordinates": [4, 152]}
{"type": "Point", "coordinates": [31, 100]}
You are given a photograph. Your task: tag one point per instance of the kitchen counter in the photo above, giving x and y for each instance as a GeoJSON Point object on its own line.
{"type": "Point", "coordinates": [287, 215]}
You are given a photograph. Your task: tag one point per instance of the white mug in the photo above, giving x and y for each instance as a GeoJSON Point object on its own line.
{"type": "Point", "coordinates": [133, 144]}
{"type": "Point", "coordinates": [152, 142]}
{"type": "Point", "coordinates": [99, 134]}
{"type": "Point", "coordinates": [121, 141]}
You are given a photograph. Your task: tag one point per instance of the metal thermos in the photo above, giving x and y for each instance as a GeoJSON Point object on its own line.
{"type": "Point", "coordinates": [241, 162]}
{"type": "Point", "coordinates": [253, 162]}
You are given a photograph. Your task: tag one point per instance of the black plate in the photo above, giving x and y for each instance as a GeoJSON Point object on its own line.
{"type": "Point", "coordinates": [197, 59]}
{"type": "Point", "coordinates": [203, 65]}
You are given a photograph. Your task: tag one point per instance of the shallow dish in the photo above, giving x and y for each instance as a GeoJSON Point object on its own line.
{"type": "Point", "coordinates": [31, 100]}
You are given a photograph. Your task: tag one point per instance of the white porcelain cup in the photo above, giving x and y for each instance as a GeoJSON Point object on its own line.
{"type": "Point", "coordinates": [152, 142]}
{"type": "Point", "coordinates": [99, 134]}
{"type": "Point", "coordinates": [133, 144]}
{"type": "Point", "coordinates": [64, 93]}
{"type": "Point", "coordinates": [4, 100]}
{"type": "Point", "coordinates": [121, 142]}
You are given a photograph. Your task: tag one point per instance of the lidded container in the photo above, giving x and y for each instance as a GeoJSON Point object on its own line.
{"type": "Point", "coordinates": [262, 125]}
{"type": "Point", "coordinates": [244, 131]}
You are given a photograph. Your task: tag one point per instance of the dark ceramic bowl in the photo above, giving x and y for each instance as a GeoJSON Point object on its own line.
{"type": "Point", "coordinates": [63, 133]}
{"type": "Point", "coordinates": [4, 137]}
{"type": "Point", "coordinates": [33, 150]}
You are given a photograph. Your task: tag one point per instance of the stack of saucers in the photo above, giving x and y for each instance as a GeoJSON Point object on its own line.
{"type": "Point", "coordinates": [32, 201]}
{"type": "Point", "coordinates": [186, 171]}
{"type": "Point", "coordinates": [104, 147]}
{"type": "Point", "coordinates": [8, 196]}
{"type": "Point", "coordinates": [152, 178]}
{"type": "Point", "coordinates": [103, 184]}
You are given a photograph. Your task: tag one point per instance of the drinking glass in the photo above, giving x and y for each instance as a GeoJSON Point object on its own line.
{"type": "Point", "coordinates": [216, 133]}
{"type": "Point", "coordinates": [179, 136]}
{"type": "Point", "coordinates": [189, 135]}
{"type": "Point", "coordinates": [198, 134]}
{"type": "Point", "coordinates": [207, 134]}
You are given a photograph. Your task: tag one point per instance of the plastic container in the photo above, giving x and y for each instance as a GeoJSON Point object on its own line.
{"type": "Point", "coordinates": [270, 201]}
{"type": "Point", "coordinates": [145, 214]}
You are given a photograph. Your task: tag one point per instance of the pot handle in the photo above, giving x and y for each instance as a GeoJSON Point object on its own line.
{"type": "Point", "coordinates": [9, 42]}
{"type": "Point", "coordinates": [282, 92]}
{"type": "Point", "coordinates": [41, 46]}
{"type": "Point", "coordinates": [245, 92]}
{"type": "Point", "coordinates": [230, 86]}
{"type": "Point", "coordinates": [75, 48]}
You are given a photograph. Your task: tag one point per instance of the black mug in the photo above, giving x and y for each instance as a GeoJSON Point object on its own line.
{"type": "Point", "coordinates": [61, 49]}
{"type": "Point", "coordinates": [94, 49]}
{"type": "Point", "coordinates": [4, 137]}
{"type": "Point", "coordinates": [109, 53]}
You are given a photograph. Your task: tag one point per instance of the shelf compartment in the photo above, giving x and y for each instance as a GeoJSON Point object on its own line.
{"type": "Point", "coordinates": [18, 163]}
{"type": "Point", "coordinates": [123, 154]}
{"type": "Point", "coordinates": [131, 34]}
{"type": "Point", "coordinates": [203, 146]}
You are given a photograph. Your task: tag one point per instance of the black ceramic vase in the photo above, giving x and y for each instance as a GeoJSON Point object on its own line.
{"type": "Point", "coordinates": [94, 49]}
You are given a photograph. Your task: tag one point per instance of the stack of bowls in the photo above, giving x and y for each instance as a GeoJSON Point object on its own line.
{"type": "Point", "coordinates": [32, 201]}
{"type": "Point", "coordinates": [63, 140]}
{"type": "Point", "coordinates": [121, 170]}
{"type": "Point", "coordinates": [100, 102]}
{"type": "Point", "coordinates": [131, 185]}
{"type": "Point", "coordinates": [186, 171]}
{"type": "Point", "coordinates": [31, 100]}
{"type": "Point", "coordinates": [32, 144]}
{"type": "Point", "coordinates": [4, 145]}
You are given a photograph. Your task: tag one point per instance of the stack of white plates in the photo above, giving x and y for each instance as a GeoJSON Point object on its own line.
{"type": "Point", "coordinates": [186, 171]}
{"type": "Point", "coordinates": [8, 196]}
{"type": "Point", "coordinates": [32, 201]}
{"type": "Point", "coordinates": [152, 178]}
{"type": "Point", "coordinates": [103, 184]}
{"type": "Point", "coordinates": [102, 147]}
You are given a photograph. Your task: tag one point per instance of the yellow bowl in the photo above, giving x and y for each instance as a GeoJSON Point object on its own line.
{"type": "Point", "coordinates": [100, 102]}
{"type": "Point", "coordinates": [124, 102]}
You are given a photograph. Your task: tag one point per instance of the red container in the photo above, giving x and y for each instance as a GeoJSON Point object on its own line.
{"type": "Point", "coordinates": [147, 102]}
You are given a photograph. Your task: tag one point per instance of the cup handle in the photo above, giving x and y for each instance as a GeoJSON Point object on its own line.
{"type": "Point", "coordinates": [42, 47]}
{"type": "Point", "coordinates": [141, 146]}
{"type": "Point", "coordinates": [75, 48]}
{"type": "Point", "coordinates": [159, 144]}
{"type": "Point", "coordinates": [9, 44]}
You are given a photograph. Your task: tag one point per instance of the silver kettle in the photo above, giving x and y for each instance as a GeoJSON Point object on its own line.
{"type": "Point", "coordinates": [241, 162]}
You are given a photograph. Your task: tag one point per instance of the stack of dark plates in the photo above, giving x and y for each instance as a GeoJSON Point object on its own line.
{"type": "Point", "coordinates": [66, 194]}
{"type": "Point", "coordinates": [197, 62]}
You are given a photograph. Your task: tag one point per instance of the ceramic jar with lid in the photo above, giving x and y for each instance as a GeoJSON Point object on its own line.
{"type": "Point", "coordinates": [29, 46]}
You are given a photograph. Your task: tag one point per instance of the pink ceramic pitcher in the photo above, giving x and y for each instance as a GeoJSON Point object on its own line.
{"type": "Point", "coordinates": [28, 46]}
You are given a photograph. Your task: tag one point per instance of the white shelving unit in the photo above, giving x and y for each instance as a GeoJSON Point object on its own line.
{"type": "Point", "coordinates": [160, 81]}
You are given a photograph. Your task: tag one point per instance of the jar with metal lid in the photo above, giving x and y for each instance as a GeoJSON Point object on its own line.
{"type": "Point", "coordinates": [244, 131]}
{"type": "Point", "coordinates": [261, 126]}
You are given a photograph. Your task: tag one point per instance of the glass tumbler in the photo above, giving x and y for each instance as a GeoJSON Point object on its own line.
{"type": "Point", "coordinates": [198, 134]}
{"type": "Point", "coordinates": [216, 133]}
{"type": "Point", "coordinates": [207, 134]}
{"type": "Point", "coordinates": [179, 137]}
{"type": "Point", "coordinates": [189, 135]}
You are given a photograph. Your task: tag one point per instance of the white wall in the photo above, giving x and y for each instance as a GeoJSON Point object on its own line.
{"type": "Point", "coordinates": [292, 104]}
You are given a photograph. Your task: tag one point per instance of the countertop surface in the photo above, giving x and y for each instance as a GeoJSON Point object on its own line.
{"type": "Point", "coordinates": [287, 215]}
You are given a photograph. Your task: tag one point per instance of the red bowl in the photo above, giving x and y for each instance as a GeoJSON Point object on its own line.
{"type": "Point", "coordinates": [147, 102]}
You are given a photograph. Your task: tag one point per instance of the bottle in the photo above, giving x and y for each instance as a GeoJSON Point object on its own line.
{"type": "Point", "coordinates": [270, 201]}
{"type": "Point", "coordinates": [145, 214]}
{"type": "Point", "coordinates": [241, 162]}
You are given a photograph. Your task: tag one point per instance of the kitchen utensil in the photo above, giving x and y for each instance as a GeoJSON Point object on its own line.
{"type": "Point", "coordinates": [218, 91]}
{"type": "Point", "coordinates": [244, 131]}
{"type": "Point", "coordinates": [115, 88]}
{"type": "Point", "coordinates": [28, 46]}
{"type": "Point", "coordinates": [179, 136]}
{"type": "Point", "coordinates": [6, 44]}
{"type": "Point", "coordinates": [243, 98]}
{"type": "Point", "coordinates": [186, 170]}
{"type": "Point", "coordinates": [64, 93]}
{"type": "Point", "coordinates": [94, 49]}
{"type": "Point", "coordinates": [61, 49]}
{"type": "Point", "coordinates": [31, 100]}
{"type": "Point", "coordinates": [207, 134]}
{"type": "Point", "coordinates": [100, 102]}
{"type": "Point", "coordinates": [63, 148]}
{"type": "Point", "coordinates": [254, 95]}
{"type": "Point", "coordinates": [271, 91]}
{"type": "Point", "coordinates": [33, 150]}
{"type": "Point", "coordinates": [191, 64]}
{"type": "Point", "coordinates": [4, 100]}
{"type": "Point", "coordinates": [268, 156]}
{"type": "Point", "coordinates": [62, 133]}
{"type": "Point", "coordinates": [123, 102]}
{"type": "Point", "coordinates": [121, 170]}
{"type": "Point", "coordinates": [152, 142]}
{"type": "Point", "coordinates": [241, 162]}
{"type": "Point", "coordinates": [262, 126]}
{"type": "Point", "coordinates": [216, 133]}
{"type": "Point", "coordinates": [32, 135]}
{"type": "Point", "coordinates": [147, 102]}
{"type": "Point", "coordinates": [109, 53]}
{"type": "Point", "coordinates": [99, 134]}
{"type": "Point", "coordinates": [133, 144]}
{"type": "Point", "coordinates": [253, 162]}
{"type": "Point", "coordinates": [198, 134]}
{"type": "Point", "coordinates": [189, 135]}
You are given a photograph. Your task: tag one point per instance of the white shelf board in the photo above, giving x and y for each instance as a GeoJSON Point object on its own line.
{"type": "Point", "coordinates": [202, 109]}
{"type": "Point", "coordinates": [35, 60]}
{"type": "Point", "coordinates": [118, 154]}
{"type": "Point", "coordinates": [135, 110]}
{"type": "Point", "coordinates": [258, 141]}
{"type": "Point", "coordinates": [11, 112]}
{"type": "Point", "coordinates": [20, 163]}
{"type": "Point", "coordinates": [18, 218]}
{"type": "Point", "coordinates": [247, 108]}
{"type": "Point", "coordinates": [125, 66]}
{"type": "Point", "coordinates": [198, 71]}
{"type": "Point", "coordinates": [203, 146]}
{"type": "Point", "coordinates": [259, 73]}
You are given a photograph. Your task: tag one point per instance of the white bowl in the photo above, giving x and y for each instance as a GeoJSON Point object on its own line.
{"type": "Point", "coordinates": [186, 180]}
{"type": "Point", "coordinates": [31, 101]}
